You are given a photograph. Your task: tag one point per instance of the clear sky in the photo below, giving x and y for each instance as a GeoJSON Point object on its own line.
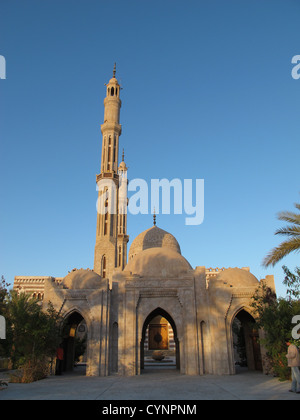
{"type": "Point", "coordinates": [207, 94]}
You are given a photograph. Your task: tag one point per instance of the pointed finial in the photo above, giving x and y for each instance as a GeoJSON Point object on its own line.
{"type": "Point", "coordinates": [123, 155]}
{"type": "Point", "coordinates": [154, 217]}
{"type": "Point", "coordinates": [114, 71]}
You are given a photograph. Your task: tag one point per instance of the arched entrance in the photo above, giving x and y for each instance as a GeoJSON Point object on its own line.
{"type": "Point", "coordinates": [246, 347]}
{"type": "Point", "coordinates": [74, 331]}
{"type": "Point", "coordinates": [159, 338]}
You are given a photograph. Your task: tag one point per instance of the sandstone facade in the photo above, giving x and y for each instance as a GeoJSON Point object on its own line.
{"type": "Point", "coordinates": [116, 301]}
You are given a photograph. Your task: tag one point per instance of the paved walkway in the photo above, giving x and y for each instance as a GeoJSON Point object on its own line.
{"type": "Point", "coordinates": [153, 385]}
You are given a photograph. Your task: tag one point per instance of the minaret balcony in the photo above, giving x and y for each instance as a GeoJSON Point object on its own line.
{"type": "Point", "coordinates": [107, 175]}
{"type": "Point", "coordinates": [111, 126]}
{"type": "Point", "coordinates": [124, 237]}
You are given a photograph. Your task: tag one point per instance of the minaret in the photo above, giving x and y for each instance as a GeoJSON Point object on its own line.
{"type": "Point", "coordinates": [111, 237]}
{"type": "Point", "coordinates": [111, 128]}
{"type": "Point", "coordinates": [122, 215]}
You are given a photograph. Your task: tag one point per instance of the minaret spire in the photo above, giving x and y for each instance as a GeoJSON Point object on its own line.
{"type": "Point", "coordinates": [111, 236]}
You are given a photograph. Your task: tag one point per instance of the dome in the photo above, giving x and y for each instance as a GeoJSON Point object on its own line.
{"type": "Point", "coordinates": [158, 262]}
{"type": "Point", "coordinates": [114, 81]}
{"type": "Point", "coordinates": [153, 238]}
{"type": "Point", "coordinates": [235, 277]}
{"type": "Point", "coordinates": [81, 279]}
{"type": "Point", "coordinates": [123, 166]}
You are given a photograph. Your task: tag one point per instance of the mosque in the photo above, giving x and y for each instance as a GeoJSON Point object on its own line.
{"type": "Point", "coordinates": [151, 307]}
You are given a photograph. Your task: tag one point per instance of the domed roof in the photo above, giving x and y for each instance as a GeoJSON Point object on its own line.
{"type": "Point", "coordinates": [153, 238]}
{"type": "Point", "coordinates": [123, 166]}
{"type": "Point", "coordinates": [81, 279]}
{"type": "Point", "coordinates": [158, 262]}
{"type": "Point", "coordinates": [114, 81]}
{"type": "Point", "coordinates": [235, 277]}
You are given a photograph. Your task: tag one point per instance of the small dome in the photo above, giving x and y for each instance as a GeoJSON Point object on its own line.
{"type": "Point", "coordinates": [82, 279]}
{"type": "Point", "coordinates": [158, 262]}
{"type": "Point", "coordinates": [113, 81]}
{"type": "Point", "coordinates": [234, 277]}
{"type": "Point", "coordinates": [122, 166]}
{"type": "Point", "coordinates": [153, 238]}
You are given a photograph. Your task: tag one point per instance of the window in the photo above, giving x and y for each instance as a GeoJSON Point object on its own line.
{"type": "Point", "coordinates": [120, 256]}
{"type": "Point", "coordinates": [106, 217]}
{"type": "Point", "coordinates": [104, 153]}
{"type": "Point", "coordinates": [109, 153]}
{"type": "Point", "coordinates": [104, 266]}
{"type": "Point", "coordinates": [115, 151]}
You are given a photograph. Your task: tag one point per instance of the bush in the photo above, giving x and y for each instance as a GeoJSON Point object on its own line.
{"type": "Point", "coordinates": [33, 370]}
{"type": "Point", "coordinates": [33, 334]}
{"type": "Point", "coordinates": [274, 317]}
{"type": "Point", "coordinates": [30, 371]}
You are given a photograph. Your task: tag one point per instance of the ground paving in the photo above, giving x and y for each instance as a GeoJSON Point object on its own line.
{"type": "Point", "coordinates": [153, 384]}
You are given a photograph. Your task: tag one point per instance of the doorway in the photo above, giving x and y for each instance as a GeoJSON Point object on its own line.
{"type": "Point", "coordinates": [74, 343]}
{"type": "Point", "coordinates": [159, 346]}
{"type": "Point", "coordinates": [246, 347]}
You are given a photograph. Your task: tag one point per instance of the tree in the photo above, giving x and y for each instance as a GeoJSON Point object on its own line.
{"type": "Point", "coordinates": [33, 334]}
{"type": "Point", "coordinates": [292, 231]}
{"type": "Point", "coordinates": [274, 316]}
{"type": "Point", "coordinates": [3, 293]}
{"type": "Point", "coordinates": [3, 300]}
{"type": "Point", "coordinates": [292, 281]}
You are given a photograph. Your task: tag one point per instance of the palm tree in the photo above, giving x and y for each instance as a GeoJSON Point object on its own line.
{"type": "Point", "coordinates": [292, 231]}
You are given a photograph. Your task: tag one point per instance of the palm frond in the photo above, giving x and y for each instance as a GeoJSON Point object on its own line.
{"type": "Point", "coordinates": [281, 251]}
{"type": "Point", "coordinates": [288, 230]}
{"type": "Point", "coordinates": [292, 231]}
{"type": "Point", "coordinates": [289, 216]}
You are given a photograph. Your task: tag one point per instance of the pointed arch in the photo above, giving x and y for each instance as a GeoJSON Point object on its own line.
{"type": "Point", "coordinates": [71, 320]}
{"type": "Point", "coordinates": [159, 312]}
{"type": "Point", "coordinates": [244, 341]}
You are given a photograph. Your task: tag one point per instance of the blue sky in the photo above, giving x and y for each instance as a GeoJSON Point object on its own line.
{"type": "Point", "coordinates": [207, 94]}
